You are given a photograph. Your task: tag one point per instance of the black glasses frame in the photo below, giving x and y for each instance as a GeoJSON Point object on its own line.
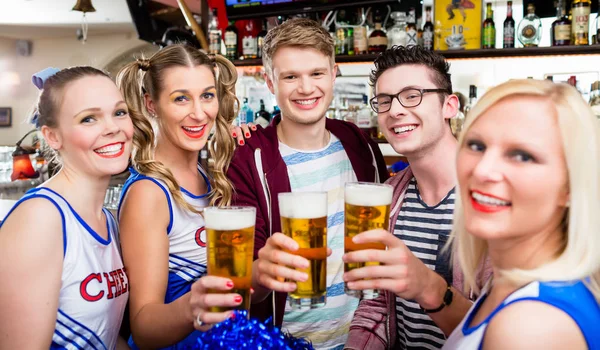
{"type": "Point", "coordinates": [374, 106]}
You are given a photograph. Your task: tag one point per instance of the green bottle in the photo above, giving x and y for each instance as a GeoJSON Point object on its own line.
{"type": "Point", "coordinates": [489, 29]}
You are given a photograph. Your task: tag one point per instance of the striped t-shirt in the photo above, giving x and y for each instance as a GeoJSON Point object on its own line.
{"type": "Point", "coordinates": [425, 230]}
{"type": "Point", "coordinates": [326, 170]}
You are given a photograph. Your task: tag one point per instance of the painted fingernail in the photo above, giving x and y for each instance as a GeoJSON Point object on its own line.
{"type": "Point", "coordinates": [247, 134]}
{"type": "Point", "coordinates": [238, 299]}
{"type": "Point", "coordinates": [251, 290]}
{"type": "Point", "coordinates": [229, 284]}
{"type": "Point", "coordinates": [232, 316]}
{"type": "Point", "coordinates": [253, 128]}
{"type": "Point", "coordinates": [241, 142]}
{"type": "Point", "coordinates": [234, 135]}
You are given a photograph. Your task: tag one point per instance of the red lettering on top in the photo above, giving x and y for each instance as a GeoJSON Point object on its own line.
{"type": "Point", "coordinates": [83, 287]}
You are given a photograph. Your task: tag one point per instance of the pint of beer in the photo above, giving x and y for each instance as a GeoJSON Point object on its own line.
{"type": "Point", "coordinates": [304, 219]}
{"type": "Point", "coordinates": [230, 247]}
{"type": "Point", "coordinates": [367, 207]}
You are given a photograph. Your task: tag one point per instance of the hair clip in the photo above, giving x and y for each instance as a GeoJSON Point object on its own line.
{"type": "Point", "coordinates": [39, 78]}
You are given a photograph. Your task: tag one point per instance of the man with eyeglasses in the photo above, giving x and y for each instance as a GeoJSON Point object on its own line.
{"type": "Point", "coordinates": [422, 302]}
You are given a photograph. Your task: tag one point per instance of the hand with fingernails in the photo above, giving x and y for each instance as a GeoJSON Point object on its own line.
{"type": "Point", "coordinates": [277, 264]}
{"type": "Point", "coordinates": [400, 271]}
{"type": "Point", "coordinates": [209, 292]}
{"type": "Point", "coordinates": [242, 132]}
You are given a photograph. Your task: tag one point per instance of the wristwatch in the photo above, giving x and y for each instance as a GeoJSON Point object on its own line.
{"type": "Point", "coordinates": [447, 300]}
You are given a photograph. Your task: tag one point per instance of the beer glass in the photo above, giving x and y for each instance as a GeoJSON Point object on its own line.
{"type": "Point", "coordinates": [230, 248]}
{"type": "Point", "coordinates": [304, 219]}
{"type": "Point", "coordinates": [367, 207]}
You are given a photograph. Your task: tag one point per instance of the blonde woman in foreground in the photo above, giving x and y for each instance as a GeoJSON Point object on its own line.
{"type": "Point", "coordinates": [529, 197]}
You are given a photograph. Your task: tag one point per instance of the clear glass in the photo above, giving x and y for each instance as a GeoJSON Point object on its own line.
{"type": "Point", "coordinates": [230, 249]}
{"type": "Point", "coordinates": [530, 28]}
{"type": "Point", "coordinates": [304, 219]}
{"type": "Point", "coordinates": [397, 35]}
{"type": "Point", "coordinates": [366, 207]}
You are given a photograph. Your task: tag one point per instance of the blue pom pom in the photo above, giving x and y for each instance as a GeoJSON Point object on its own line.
{"type": "Point", "coordinates": [240, 333]}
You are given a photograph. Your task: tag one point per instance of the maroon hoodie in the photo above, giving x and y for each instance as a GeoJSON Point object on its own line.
{"type": "Point", "coordinates": [259, 174]}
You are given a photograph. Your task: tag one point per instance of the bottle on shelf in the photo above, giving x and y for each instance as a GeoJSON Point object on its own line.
{"type": "Point", "coordinates": [214, 34]}
{"type": "Point", "coordinates": [580, 27]}
{"type": "Point", "coordinates": [489, 29]}
{"type": "Point", "coordinates": [231, 41]}
{"type": "Point", "coordinates": [397, 35]}
{"type": "Point", "coordinates": [561, 27]}
{"type": "Point", "coordinates": [246, 115]}
{"type": "Point", "coordinates": [595, 98]}
{"type": "Point", "coordinates": [249, 42]}
{"type": "Point", "coordinates": [345, 36]}
{"type": "Point", "coordinates": [529, 31]}
{"type": "Point", "coordinates": [428, 30]}
{"type": "Point", "coordinates": [378, 41]}
{"type": "Point", "coordinates": [508, 41]}
{"type": "Point", "coordinates": [260, 39]}
{"type": "Point", "coordinates": [262, 117]}
{"type": "Point", "coordinates": [364, 118]}
{"type": "Point", "coordinates": [361, 46]}
{"type": "Point", "coordinates": [472, 99]}
{"type": "Point", "coordinates": [411, 28]}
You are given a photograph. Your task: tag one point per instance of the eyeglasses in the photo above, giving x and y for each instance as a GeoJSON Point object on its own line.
{"type": "Point", "coordinates": [408, 98]}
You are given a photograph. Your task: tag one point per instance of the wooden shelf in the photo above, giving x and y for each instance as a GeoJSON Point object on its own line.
{"type": "Point", "coordinates": [465, 54]}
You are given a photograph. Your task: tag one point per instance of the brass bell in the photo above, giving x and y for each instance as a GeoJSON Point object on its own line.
{"type": "Point", "coordinates": [84, 6]}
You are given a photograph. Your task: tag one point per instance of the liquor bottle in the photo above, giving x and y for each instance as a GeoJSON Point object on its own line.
{"type": "Point", "coordinates": [529, 31]}
{"type": "Point", "coordinates": [397, 35]}
{"type": "Point", "coordinates": [561, 28]}
{"type": "Point", "coordinates": [489, 29]}
{"type": "Point", "coordinates": [249, 42]}
{"type": "Point", "coordinates": [509, 28]}
{"type": "Point", "coordinates": [472, 99]}
{"type": "Point", "coordinates": [364, 118]}
{"type": "Point", "coordinates": [231, 41]}
{"type": "Point", "coordinates": [260, 39]}
{"type": "Point", "coordinates": [246, 115]}
{"type": "Point", "coordinates": [214, 34]}
{"type": "Point", "coordinates": [378, 41]}
{"type": "Point", "coordinates": [580, 26]}
{"type": "Point", "coordinates": [360, 35]}
{"type": "Point", "coordinates": [411, 28]}
{"type": "Point", "coordinates": [595, 98]}
{"type": "Point", "coordinates": [262, 117]}
{"type": "Point", "coordinates": [428, 30]}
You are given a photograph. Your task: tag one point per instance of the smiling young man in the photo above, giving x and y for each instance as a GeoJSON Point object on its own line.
{"type": "Point", "coordinates": [301, 151]}
{"type": "Point", "coordinates": [423, 301]}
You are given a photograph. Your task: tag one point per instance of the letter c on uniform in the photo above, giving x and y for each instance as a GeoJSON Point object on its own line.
{"type": "Point", "coordinates": [83, 287]}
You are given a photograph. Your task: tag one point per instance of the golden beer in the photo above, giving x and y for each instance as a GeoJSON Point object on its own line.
{"type": "Point", "coordinates": [230, 247]}
{"type": "Point", "coordinates": [304, 219]}
{"type": "Point", "coordinates": [367, 207]}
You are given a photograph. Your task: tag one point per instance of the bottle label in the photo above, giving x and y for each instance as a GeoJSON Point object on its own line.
{"type": "Point", "coordinates": [489, 36]}
{"type": "Point", "coordinates": [581, 17]}
{"type": "Point", "coordinates": [562, 32]}
{"type": "Point", "coordinates": [215, 42]}
{"type": "Point", "coordinates": [529, 31]}
{"type": "Point", "coordinates": [411, 39]}
{"type": "Point", "coordinates": [428, 40]}
{"type": "Point", "coordinates": [360, 39]}
{"type": "Point", "coordinates": [378, 41]}
{"type": "Point", "coordinates": [230, 39]}
{"type": "Point", "coordinates": [250, 47]}
{"type": "Point", "coordinates": [509, 35]}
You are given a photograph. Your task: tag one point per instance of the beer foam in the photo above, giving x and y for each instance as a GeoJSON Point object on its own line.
{"type": "Point", "coordinates": [369, 195]}
{"type": "Point", "coordinates": [303, 205]}
{"type": "Point", "coordinates": [227, 219]}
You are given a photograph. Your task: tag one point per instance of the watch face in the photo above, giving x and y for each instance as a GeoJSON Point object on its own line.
{"type": "Point", "coordinates": [448, 296]}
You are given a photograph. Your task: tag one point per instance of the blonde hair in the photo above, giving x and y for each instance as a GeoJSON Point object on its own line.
{"type": "Point", "coordinates": [580, 142]}
{"type": "Point", "coordinates": [145, 76]}
{"type": "Point", "coordinates": [297, 32]}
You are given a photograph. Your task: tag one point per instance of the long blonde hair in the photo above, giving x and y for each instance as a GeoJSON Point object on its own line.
{"type": "Point", "coordinates": [580, 142]}
{"type": "Point", "coordinates": [145, 76]}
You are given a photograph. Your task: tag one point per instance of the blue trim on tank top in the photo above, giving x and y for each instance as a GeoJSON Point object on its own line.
{"type": "Point", "coordinates": [83, 223]}
{"type": "Point", "coordinates": [83, 327]}
{"type": "Point", "coordinates": [62, 215]}
{"type": "Point", "coordinates": [208, 187]}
